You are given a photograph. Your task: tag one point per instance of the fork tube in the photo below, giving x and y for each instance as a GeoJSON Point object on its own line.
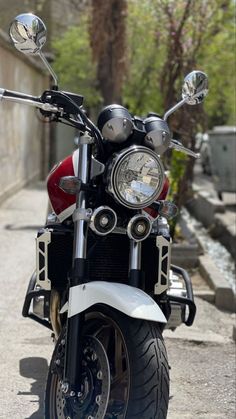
{"type": "Point", "coordinates": [72, 373]}
{"type": "Point", "coordinates": [81, 226]}
{"type": "Point", "coordinates": [135, 274]}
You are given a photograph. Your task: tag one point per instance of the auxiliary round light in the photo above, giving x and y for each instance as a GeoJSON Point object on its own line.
{"type": "Point", "coordinates": [103, 220]}
{"type": "Point", "coordinates": [135, 177]}
{"type": "Point", "coordinates": [139, 227]}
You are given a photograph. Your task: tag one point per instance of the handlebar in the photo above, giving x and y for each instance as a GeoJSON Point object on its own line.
{"type": "Point", "coordinates": [57, 102]}
{"type": "Point", "coordinates": [30, 100]}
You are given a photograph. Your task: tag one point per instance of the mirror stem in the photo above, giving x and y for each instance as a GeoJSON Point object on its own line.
{"type": "Point", "coordinates": [53, 74]}
{"type": "Point", "coordinates": [177, 106]}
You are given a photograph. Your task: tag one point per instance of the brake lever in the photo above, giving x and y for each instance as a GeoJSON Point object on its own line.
{"type": "Point", "coordinates": [179, 147]}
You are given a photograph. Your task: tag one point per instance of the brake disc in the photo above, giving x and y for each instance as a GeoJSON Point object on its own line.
{"type": "Point", "coordinates": [92, 401]}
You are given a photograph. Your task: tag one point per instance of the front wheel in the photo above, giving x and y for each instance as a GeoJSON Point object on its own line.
{"type": "Point", "coordinates": [125, 372]}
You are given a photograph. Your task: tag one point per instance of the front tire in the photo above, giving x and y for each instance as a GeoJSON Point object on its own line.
{"type": "Point", "coordinates": [137, 361]}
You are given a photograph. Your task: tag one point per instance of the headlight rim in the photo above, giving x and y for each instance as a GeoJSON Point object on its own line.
{"type": "Point", "coordinates": [114, 166]}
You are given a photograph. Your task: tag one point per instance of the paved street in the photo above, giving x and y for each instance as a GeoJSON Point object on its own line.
{"type": "Point", "coordinates": [202, 358]}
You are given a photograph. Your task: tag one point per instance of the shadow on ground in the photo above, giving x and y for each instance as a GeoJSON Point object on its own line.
{"type": "Point", "coordinates": [35, 368]}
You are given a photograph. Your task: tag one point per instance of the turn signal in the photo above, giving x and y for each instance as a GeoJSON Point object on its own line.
{"type": "Point", "coordinates": [70, 184]}
{"type": "Point", "coordinates": [167, 209]}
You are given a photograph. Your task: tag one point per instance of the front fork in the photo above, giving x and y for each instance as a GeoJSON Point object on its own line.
{"type": "Point", "coordinates": [81, 217]}
{"type": "Point", "coordinates": [72, 369]}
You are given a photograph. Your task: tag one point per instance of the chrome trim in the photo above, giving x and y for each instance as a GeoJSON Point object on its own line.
{"type": "Point", "coordinates": [47, 65]}
{"type": "Point", "coordinates": [81, 226]}
{"type": "Point", "coordinates": [43, 255]}
{"type": "Point", "coordinates": [174, 108]}
{"type": "Point", "coordinates": [93, 217]}
{"type": "Point", "coordinates": [82, 214]}
{"type": "Point", "coordinates": [1, 93]}
{"type": "Point", "coordinates": [45, 106]}
{"type": "Point", "coordinates": [135, 255]}
{"type": "Point", "coordinates": [114, 165]}
{"type": "Point", "coordinates": [163, 264]}
{"type": "Point", "coordinates": [132, 221]}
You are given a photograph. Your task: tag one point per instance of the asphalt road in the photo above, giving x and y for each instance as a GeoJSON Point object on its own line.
{"type": "Point", "coordinates": [202, 358]}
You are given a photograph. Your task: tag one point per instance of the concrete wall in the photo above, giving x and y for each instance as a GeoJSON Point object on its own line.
{"type": "Point", "coordinates": [23, 138]}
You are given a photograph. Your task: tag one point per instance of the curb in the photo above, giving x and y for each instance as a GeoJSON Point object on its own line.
{"type": "Point", "coordinates": [185, 255]}
{"type": "Point", "coordinates": [224, 295]}
{"type": "Point", "coordinates": [210, 211]}
{"type": "Point", "coordinates": [234, 333]}
{"type": "Point", "coordinates": [206, 295]}
{"type": "Point", "coordinates": [204, 207]}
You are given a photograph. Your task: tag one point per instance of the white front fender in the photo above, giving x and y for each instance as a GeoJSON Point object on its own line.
{"type": "Point", "coordinates": [129, 300]}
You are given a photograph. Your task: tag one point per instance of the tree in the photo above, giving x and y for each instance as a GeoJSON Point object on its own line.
{"type": "Point", "coordinates": [179, 37]}
{"type": "Point", "coordinates": [108, 43]}
{"type": "Point", "coordinates": [73, 63]}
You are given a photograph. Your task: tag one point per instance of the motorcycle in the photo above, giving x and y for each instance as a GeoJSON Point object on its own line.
{"type": "Point", "coordinates": [104, 283]}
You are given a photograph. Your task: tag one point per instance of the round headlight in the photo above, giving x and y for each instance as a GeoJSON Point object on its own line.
{"type": "Point", "coordinates": [135, 177]}
{"type": "Point", "coordinates": [115, 123]}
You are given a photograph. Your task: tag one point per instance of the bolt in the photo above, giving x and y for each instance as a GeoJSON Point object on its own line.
{"type": "Point", "coordinates": [109, 126]}
{"type": "Point", "coordinates": [63, 342]}
{"type": "Point", "coordinates": [141, 228]}
{"type": "Point", "coordinates": [104, 221]}
{"type": "Point", "coordinates": [94, 356]}
{"type": "Point", "coordinates": [65, 387]}
{"type": "Point", "coordinates": [98, 399]}
{"type": "Point", "coordinates": [72, 394]}
{"type": "Point", "coordinates": [57, 362]}
{"type": "Point", "coordinates": [99, 375]}
{"type": "Point", "coordinates": [79, 394]}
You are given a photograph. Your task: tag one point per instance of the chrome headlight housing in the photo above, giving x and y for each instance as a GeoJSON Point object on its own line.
{"type": "Point", "coordinates": [135, 177]}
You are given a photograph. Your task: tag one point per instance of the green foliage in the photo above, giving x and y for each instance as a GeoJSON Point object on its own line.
{"type": "Point", "coordinates": [210, 25]}
{"type": "Point", "coordinates": [140, 92]}
{"type": "Point", "coordinates": [148, 40]}
{"type": "Point", "coordinates": [73, 63]}
{"type": "Point", "coordinates": [219, 61]}
{"type": "Point", "coordinates": [176, 173]}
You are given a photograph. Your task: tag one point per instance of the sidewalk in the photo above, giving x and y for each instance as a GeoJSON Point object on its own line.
{"type": "Point", "coordinates": [25, 347]}
{"type": "Point", "coordinates": [202, 357]}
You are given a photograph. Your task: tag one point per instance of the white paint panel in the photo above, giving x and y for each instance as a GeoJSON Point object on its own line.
{"type": "Point", "coordinates": [131, 301]}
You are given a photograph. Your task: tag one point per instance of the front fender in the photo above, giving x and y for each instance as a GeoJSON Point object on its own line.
{"type": "Point", "coordinates": [129, 300]}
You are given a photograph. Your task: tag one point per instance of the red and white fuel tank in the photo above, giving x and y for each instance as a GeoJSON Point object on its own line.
{"type": "Point", "coordinates": [63, 204]}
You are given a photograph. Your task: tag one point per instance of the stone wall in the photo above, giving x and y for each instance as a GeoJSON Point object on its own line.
{"type": "Point", "coordinates": [24, 139]}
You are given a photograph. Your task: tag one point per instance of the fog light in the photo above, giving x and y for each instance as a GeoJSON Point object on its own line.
{"type": "Point", "coordinates": [139, 227]}
{"type": "Point", "coordinates": [103, 220]}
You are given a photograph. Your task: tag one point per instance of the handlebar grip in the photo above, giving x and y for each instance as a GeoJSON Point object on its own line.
{"type": "Point", "coordinates": [17, 95]}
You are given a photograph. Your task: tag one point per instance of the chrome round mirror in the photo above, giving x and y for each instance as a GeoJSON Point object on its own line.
{"type": "Point", "coordinates": [28, 33]}
{"type": "Point", "coordinates": [195, 87]}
